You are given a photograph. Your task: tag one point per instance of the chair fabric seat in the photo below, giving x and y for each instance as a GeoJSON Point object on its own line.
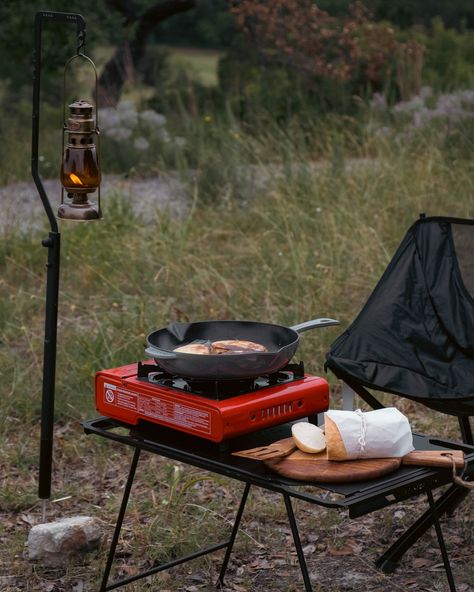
{"type": "Point", "coordinates": [415, 335]}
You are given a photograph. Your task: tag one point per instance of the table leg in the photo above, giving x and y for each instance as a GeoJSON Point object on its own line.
{"type": "Point", "coordinates": [446, 503]}
{"type": "Point", "coordinates": [297, 541]}
{"type": "Point", "coordinates": [235, 528]}
{"type": "Point", "coordinates": [118, 526]}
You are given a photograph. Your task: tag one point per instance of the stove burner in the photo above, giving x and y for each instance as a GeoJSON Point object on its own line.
{"type": "Point", "coordinates": [218, 389]}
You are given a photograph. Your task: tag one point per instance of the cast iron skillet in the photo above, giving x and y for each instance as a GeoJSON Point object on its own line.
{"type": "Point", "coordinates": [281, 343]}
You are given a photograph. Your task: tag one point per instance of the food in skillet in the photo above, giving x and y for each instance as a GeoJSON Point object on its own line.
{"type": "Point", "coordinates": [195, 348]}
{"type": "Point", "coordinates": [225, 347]}
{"type": "Point", "coordinates": [236, 346]}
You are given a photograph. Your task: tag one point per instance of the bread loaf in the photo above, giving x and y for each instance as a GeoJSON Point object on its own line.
{"type": "Point", "coordinates": [334, 442]}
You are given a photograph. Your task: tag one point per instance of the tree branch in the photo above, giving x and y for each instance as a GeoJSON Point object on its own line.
{"type": "Point", "coordinates": [128, 55]}
{"type": "Point", "coordinates": [125, 9]}
{"type": "Point", "coordinates": [151, 18]}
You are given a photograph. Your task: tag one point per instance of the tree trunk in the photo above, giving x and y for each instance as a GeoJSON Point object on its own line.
{"type": "Point", "coordinates": [127, 56]}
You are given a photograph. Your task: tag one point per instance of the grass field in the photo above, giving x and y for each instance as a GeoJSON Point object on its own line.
{"type": "Point", "coordinates": [198, 63]}
{"type": "Point", "coordinates": [313, 243]}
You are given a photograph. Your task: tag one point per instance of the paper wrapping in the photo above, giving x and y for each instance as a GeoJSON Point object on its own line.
{"type": "Point", "coordinates": [373, 434]}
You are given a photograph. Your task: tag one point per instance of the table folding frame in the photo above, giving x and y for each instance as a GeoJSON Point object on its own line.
{"type": "Point", "coordinates": [358, 498]}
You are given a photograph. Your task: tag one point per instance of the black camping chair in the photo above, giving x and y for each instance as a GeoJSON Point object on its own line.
{"type": "Point", "coordinates": [415, 338]}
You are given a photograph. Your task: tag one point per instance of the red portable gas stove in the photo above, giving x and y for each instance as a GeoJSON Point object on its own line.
{"type": "Point", "coordinates": [213, 409]}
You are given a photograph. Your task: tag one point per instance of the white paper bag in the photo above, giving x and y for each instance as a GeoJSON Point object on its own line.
{"type": "Point", "coordinates": [373, 434]}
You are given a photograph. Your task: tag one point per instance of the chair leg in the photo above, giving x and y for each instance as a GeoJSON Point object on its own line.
{"type": "Point", "coordinates": [446, 503]}
{"type": "Point", "coordinates": [118, 525]}
{"type": "Point", "coordinates": [348, 397]}
{"type": "Point", "coordinates": [442, 545]}
{"type": "Point", "coordinates": [235, 528]}
{"type": "Point", "coordinates": [297, 541]}
{"type": "Point", "coordinates": [466, 430]}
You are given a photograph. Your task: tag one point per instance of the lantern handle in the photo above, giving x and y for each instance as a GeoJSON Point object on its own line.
{"type": "Point", "coordinates": [82, 56]}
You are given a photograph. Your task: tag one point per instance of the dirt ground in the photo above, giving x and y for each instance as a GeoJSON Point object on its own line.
{"type": "Point", "coordinates": [174, 509]}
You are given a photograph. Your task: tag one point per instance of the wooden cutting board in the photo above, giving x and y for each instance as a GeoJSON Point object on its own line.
{"type": "Point", "coordinates": [316, 467]}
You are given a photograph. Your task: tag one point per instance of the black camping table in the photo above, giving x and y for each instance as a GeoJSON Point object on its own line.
{"type": "Point", "coordinates": [357, 498]}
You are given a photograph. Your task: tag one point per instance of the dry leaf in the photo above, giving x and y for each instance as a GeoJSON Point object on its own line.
{"type": "Point", "coordinates": [129, 570]}
{"type": "Point", "coordinates": [340, 551]}
{"type": "Point", "coordinates": [261, 564]}
{"type": "Point", "coordinates": [421, 562]}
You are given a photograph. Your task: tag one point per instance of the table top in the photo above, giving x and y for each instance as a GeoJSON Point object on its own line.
{"type": "Point", "coordinates": [358, 498]}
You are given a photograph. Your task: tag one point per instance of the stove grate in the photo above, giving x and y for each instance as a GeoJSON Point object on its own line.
{"type": "Point", "coordinates": [218, 389]}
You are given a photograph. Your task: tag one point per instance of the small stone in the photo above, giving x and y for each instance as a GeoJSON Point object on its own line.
{"type": "Point", "coordinates": [57, 542]}
{"type": "Point", "coordinates": [399, 514]}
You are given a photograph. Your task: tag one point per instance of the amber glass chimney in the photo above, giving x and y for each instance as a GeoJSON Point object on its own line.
{"type": "Point", "coordinates": [80, 171]}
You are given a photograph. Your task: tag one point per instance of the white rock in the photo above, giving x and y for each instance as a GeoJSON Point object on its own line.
{"type": "Point", "coordinates": [56, 542]}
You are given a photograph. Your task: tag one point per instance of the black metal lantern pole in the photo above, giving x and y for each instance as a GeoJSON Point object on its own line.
{"type": "Point", "coordinates": [52, 243]}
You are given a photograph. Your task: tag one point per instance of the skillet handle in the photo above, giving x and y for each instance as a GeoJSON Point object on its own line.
{"type": "Point", "coordinates": [159, 354]}
{"type": "Point", "coordinates": [314, 324]}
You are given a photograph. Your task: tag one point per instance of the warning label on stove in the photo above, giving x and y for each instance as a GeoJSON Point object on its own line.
{"type": "Point", "coordinates": [158, 408]}
{"type": "Point", "coordinates": [120, 397]}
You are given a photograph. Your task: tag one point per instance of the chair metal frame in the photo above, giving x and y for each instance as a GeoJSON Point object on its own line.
{"type": "Point", "coordinates": [445, 504]}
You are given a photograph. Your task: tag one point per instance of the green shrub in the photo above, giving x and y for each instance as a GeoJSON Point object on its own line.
{"type": "Point", "coordinates": [449, 58]}
{"type": "Point", "coordinates": [449, 55]}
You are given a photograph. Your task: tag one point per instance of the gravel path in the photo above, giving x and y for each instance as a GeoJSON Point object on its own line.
{"type": "Point", "coordinates": [21, 206]}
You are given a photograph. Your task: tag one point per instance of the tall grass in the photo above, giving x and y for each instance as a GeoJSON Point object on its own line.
{"type": "Point", "coordinates": [312, 241]}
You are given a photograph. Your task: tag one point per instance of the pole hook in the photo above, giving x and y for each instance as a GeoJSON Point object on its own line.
{"type": "Point", "coordinates": [81, 41]}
